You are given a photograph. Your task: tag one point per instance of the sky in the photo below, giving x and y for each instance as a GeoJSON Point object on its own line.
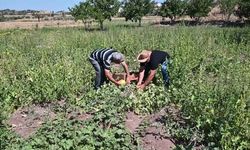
{"type": "Point", "coordinates": [49, 5]}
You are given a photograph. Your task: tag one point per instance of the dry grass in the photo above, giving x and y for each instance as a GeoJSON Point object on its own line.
{"type": "Point", "coordinates": [215, 14]}
{"type": "Point", "coordinates": [35, 24]}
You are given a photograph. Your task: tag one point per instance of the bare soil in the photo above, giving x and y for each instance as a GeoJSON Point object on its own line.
{"type": "Point", "coordinates": [150, 130]}
{"type": "Point", "coordinates": [35, 24]}
{"type": "Point", "coordinates": [133, 121]}
{"type": "Point", "coordinates": [26, 121]}
{"type": "Point", "coordinates": [153, 137]}
{"type": "Point", "coordinates": [154, 140]}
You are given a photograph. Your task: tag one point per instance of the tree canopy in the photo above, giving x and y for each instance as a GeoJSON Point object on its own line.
{"type": "Point", "coordinates": [199, 8]}
{"type": "Point", "coordinates": [243, 9]}
{"type": "Point", "coordinates": [134, 10]}
{"type": "Point", "coordinates": [228, 7]}
{"type": "Point", "coordinates": [173, 8]}
{"type": "Point", "coordinates": [100, 10]}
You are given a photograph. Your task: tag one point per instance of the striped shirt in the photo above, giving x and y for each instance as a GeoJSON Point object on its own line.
{"type": "Point", "coordinates": [103, 56]}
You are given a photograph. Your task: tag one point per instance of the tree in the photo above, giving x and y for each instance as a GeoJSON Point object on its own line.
{"type": "Point", "coordinates": [243, 9]}
{"type": "Point", "coordinates": [83, 12]}
{"type": "Point", "coordinates": [100, 10]}
{"type": "Point", "coordinates": [38, 15]}
{"type": "Point", "coordinates": [104, 9]}
{"type": "Point", "coordinates": [134, 10]}
{"type": "Point", "coordinates": [198, 8]}
{"type": "Point", "coordinates": [173, 8]}
{"type": "Point", "coordinates": [63, 15]}
{"type": "Point", "coordinates": [52, 14]}
{"type": "Point", "coordinates": [227, 7]}
{"type": "Point", "coordinates": [156, 10]}
{"type": "Point", "coordinates": [2, 18]}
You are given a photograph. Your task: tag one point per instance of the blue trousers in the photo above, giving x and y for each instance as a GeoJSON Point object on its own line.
{"type": "Point", "coordinates": [165, 74]}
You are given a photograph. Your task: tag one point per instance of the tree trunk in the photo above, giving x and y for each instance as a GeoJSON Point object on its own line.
{"type": "Point", "coordinates": [85, 24]}
{"type": "Point", "coordinates": [88, 26]}
{"type": "Point", "coordinates": [198, 19]}
{"type": "Point", "coordinates": [139, 22]}
{"type": "Point", "coordinates": [228, 17]}
{"type": "Point", "coordinates": [101, 24]}
{"type": "Point", "coordinates": [172, 19]}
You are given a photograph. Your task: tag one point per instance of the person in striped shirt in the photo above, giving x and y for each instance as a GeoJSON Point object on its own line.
{"type": "Point", "coordinates": [101, 60]}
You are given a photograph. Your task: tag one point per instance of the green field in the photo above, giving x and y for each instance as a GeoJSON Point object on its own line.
{"type": "Point", "coordinates": [210, 85]}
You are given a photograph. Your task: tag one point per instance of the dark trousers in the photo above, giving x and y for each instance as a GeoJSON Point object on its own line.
{"type": "Point", "coordinates": [100, 75]}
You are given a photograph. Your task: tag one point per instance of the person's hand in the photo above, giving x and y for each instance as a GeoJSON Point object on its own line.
{"type": "Point", "coordinates": [128, 80]}
{"type": "Point", "coordinates": [142, 86]}
{"type": "Point", "coordinates": [117, 83]}
{"type": "Point", "coordinates": [138, 85]}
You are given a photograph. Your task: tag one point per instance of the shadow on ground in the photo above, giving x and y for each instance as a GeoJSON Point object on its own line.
{"type": "Point", "coordinates": [220, 23]}
{"type": "Point", "coordinates": [91, 29]}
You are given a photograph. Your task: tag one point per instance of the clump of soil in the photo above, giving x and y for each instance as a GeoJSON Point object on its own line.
{"type": "Point", "coordinates": [26, 121]}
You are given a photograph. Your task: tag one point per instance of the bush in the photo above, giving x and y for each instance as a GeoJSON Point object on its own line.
{"type": "Point", "coordinates": [243, 9]}
{"type": "Point", "coordinates": [2, 18]}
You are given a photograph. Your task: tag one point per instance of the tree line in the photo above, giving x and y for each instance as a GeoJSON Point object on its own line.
{"type": "Point", "coordinates": [200, 8]}
{"type": "Point", "coordinates": [9, 15]}
{"type": "Point", "coordinates": [134, 10]}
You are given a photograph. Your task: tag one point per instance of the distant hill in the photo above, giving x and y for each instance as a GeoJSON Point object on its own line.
{"type": "Point", "coordinates": [10, 15]}
{"type": "Point", "coordinates": [24, 12]}
{"type": "Point", "coordinates": [15, 12]}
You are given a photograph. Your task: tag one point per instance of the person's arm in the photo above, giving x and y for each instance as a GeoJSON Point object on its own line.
{"type": "Point", "coordinates": [125, 66]}
{"type": "Point", "coordinates": [108, 74]}
{"type": "Point", "coordinates": [141, 75]}
{"type": "Point", "coordinates": [148, 80]}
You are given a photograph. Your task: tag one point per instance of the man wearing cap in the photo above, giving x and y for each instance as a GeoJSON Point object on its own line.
{"type": "Point", "coordinates": [149, 62]}
{"type": "Point", "coordinates": [101, 60]}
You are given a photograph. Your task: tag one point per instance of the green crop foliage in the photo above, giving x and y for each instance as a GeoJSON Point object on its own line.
{"type": "Point", "coordinates": [210, 79]}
